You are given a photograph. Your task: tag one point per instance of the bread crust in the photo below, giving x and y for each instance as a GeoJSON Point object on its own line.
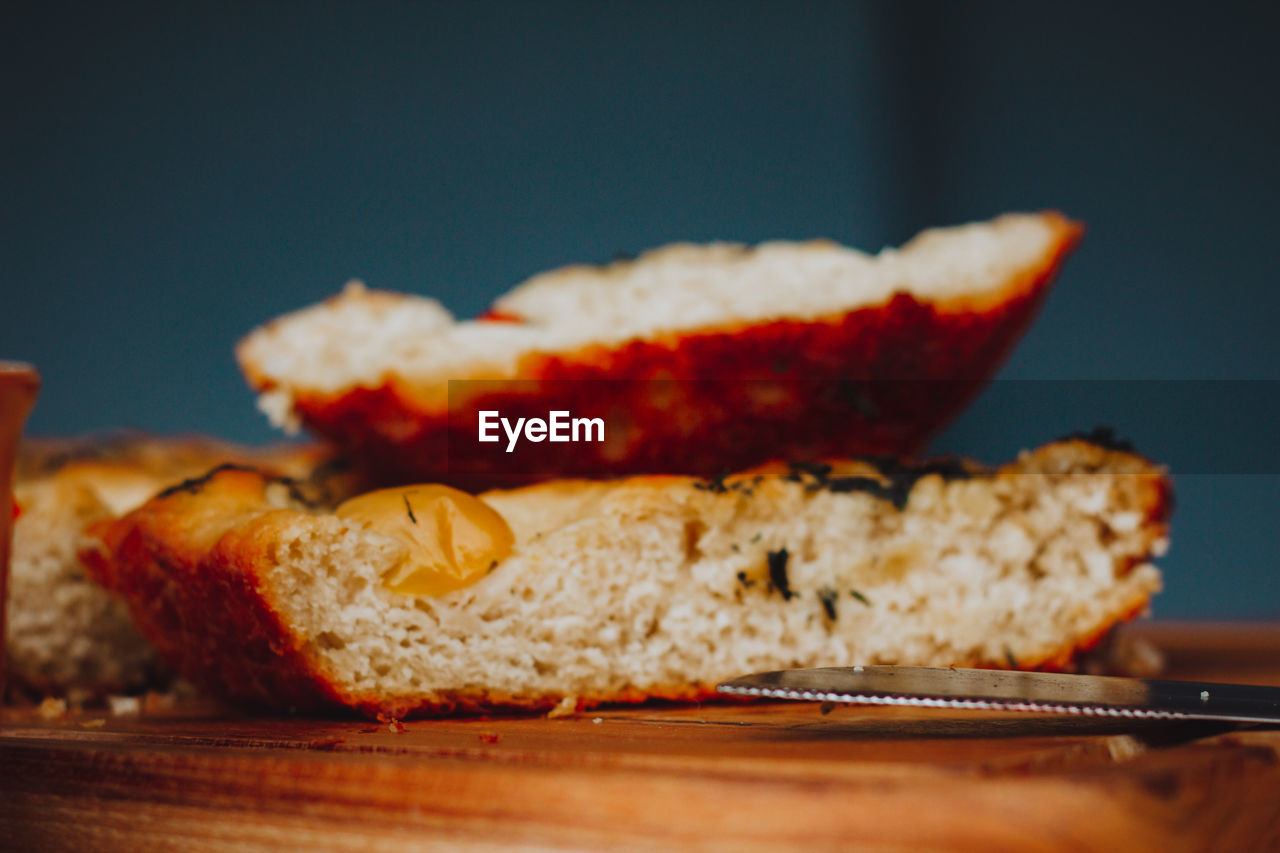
{"type": "Point", "coordinates": [192, 565]}
{"type": "Point", "coordinates": [878, 379]}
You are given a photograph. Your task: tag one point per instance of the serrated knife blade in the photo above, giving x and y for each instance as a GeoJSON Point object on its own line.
{"type": "Point", "coordinates": [1004, 690]}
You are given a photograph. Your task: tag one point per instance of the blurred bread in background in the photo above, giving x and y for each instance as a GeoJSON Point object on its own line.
{"type": "Point", "coordinates": [65, 634]}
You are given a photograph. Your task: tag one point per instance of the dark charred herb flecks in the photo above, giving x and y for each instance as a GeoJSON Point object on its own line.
{"type": "Point", "coordinates": [1102, 436]}
{"type": "Point", "coordinates": [860, 597]}
{"type": "Point", "coordinates": [894, 484]}
{"type": "Point", "coordinates": [817, 470]}
{"type": "Point", "coordinates": [777, 561]}
{"type": "Point", "coordinates": [870, 485]}
{"type": "Point", "coordinates": [296, 492]}
{"type": "Point", "coordinates": [829, 597]}
{"type": "Point", "coordinates": [1009, 659]}
{"type": "Point", "coordinates": [409, 509]}
{"type": "Point", "coordinates": [745, 581]}
{"type": "Point", "coordinates": [715, 485]}
{"type": "Point", "coordinates": [195, 484]}
{"type": "Point", "coordinates": [946, 467]}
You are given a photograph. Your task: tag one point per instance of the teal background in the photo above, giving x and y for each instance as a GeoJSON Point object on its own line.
{"type": "Point", "coordinates": [175, 173]}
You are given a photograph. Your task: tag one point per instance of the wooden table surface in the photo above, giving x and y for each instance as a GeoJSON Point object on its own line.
{"type": "Point", "coordinates": [719, 776]}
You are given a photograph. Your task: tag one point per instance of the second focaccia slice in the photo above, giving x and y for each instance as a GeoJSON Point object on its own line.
{"type": "Point", "coordinates": [648, 587]}
{"type": "Point", "coordinates": [65, 634]}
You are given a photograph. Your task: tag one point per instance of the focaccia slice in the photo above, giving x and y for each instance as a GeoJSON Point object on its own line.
{"type": "Point", "coordinates": [646, 587]}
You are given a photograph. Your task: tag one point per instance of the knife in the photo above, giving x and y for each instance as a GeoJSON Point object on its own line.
{"type": "Point", "coordinates": [1004, 690]}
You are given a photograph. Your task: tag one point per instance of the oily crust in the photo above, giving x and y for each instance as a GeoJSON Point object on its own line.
{"type": "Point", "coordinates": [881, 379]}
{"type": "Point", "coordinates": [192, 564]}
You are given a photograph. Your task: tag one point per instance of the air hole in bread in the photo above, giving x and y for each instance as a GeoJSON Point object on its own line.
{"type": "Point", "coordinates": [693, 531]}
{"type": "Point", "coordinates": [330, 640]}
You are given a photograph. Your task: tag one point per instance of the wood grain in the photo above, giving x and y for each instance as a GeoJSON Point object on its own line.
{"type": "Point", "coordinates": [732, 776]}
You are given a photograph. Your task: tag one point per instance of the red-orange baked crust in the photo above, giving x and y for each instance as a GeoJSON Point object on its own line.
{"type": "Point", "coordinates": [881, 379]}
